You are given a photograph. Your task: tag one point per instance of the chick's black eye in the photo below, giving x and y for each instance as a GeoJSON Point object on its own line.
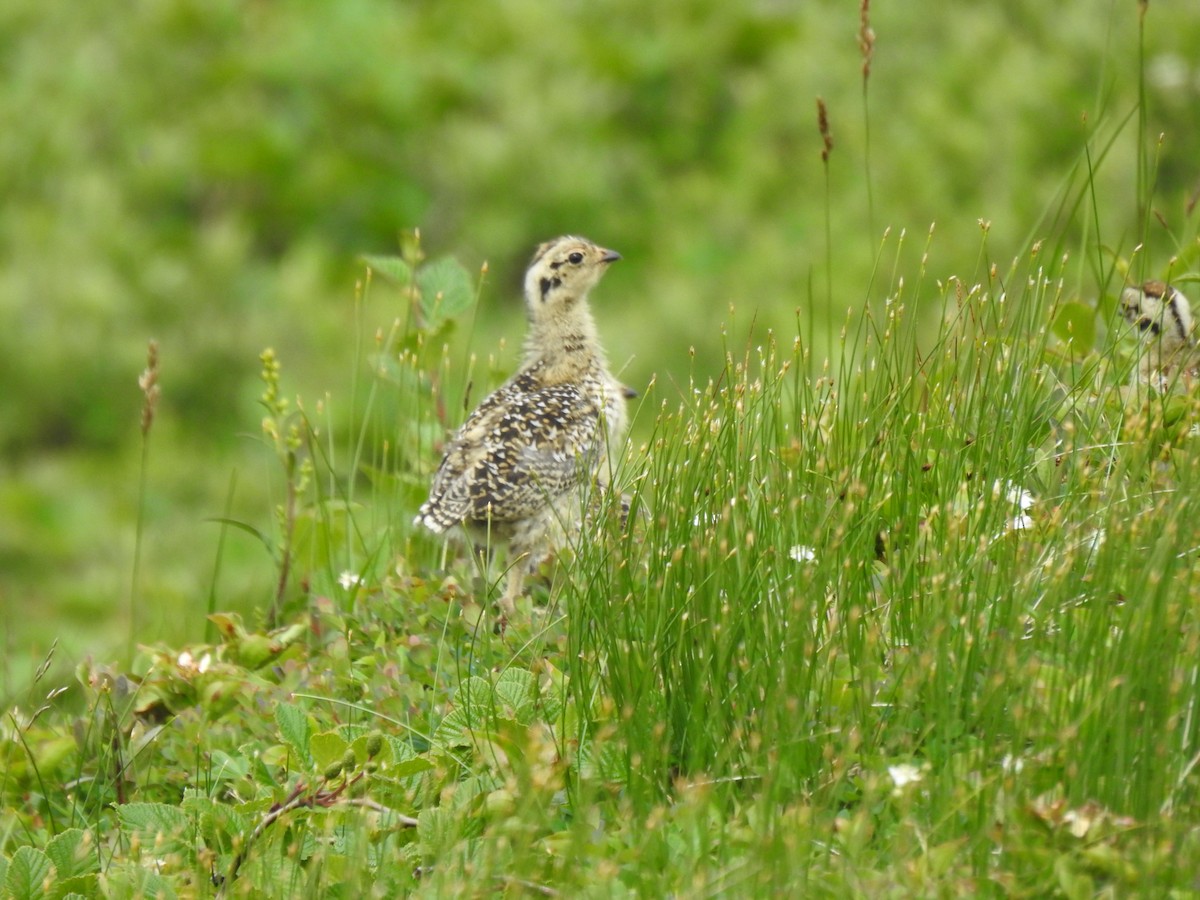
{"type": "Point", "coordinates": [576, 257]}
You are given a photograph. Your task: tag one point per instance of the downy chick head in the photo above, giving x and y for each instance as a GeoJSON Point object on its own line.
{"type": "Point", "coordinates": [562, 271]}
{"type": "Point", "coordinates": [1161, 314]}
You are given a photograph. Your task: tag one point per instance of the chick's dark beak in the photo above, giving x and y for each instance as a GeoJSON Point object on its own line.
{"type": "Point", "coordinates": [610, 256]}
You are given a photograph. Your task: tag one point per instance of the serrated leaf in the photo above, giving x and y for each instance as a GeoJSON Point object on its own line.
{"type": "Point", "coordinates": [475, 693]}
{"type": "Point", "coordinates": [294, 728]}
{"type": "Point", "coordinates": [516, 692]}
{"type": "Point", "coordinates": [472, 790]}
{"type": "Point", "coordinates": [81, 887]}
{"type": "Point", "coordinates": [457, 729]}
{"type": "Point", "coordinates": [605, 762]}
{"type": "Point", "coordinates": [435, 829]}
{"type": "Point", "coordinates": [401, 750]}
{"type": "Point", "coordinates": [446, 289]}
{"type": "Point", "coordinates": [392, 268]}
{"type": "Point", "coordinates": [523, 679]}
{"type": "Point", "coordinates": [72, 853]}
{"type": "Point", "coordinates": [155, 818]}
{"type": "Point", "coordinates": [151, 884]}
{"type": "Point", "coordinates": [27, 875]}
{"type": "Point", "coordinates": [327, 748]}
{"type": "Point", "coordinates": [473, 704]}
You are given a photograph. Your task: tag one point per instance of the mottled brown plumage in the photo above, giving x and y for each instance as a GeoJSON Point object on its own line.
{"type": "Point", "coordinates": [517, 471]}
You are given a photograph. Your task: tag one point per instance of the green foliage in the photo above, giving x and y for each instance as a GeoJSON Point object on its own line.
{"type": "Point", "coordinates": [906, 611]}
{"type": "Point", "coordinates": [294, 727]}
{"type": "Point", "coordinates": [907, 624]}
{"type": "Point", "coordinates": [68, 868]}
{"type": "Point", "coordinates": [26, 873]}
{"type": "Point", "coordinates": [209, 175]}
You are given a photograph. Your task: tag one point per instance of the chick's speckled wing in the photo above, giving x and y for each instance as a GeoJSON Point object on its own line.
{"type": "Point", "coordinates": [524, 446]}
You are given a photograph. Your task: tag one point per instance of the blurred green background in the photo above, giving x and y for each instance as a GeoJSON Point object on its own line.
{"type": "Point", "coordinates": [207, 174]}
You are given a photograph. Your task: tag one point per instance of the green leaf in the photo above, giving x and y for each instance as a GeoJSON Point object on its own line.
{"type": "Point", "coordinates": [457, 729]}
{"type": "Point", "coordinates": [475, 694]}
{"type": "Point", "coordinates": [435, 829]}
{"type": "Point", "coordinates": [156, 818]}
{"type": "Point", "coordinates": [401, 750]}
{"type": "Point", "coordinates": [27, 874]}
{"type": "Point", "coordinates": [359, 746]}
{"type": "Point", "coordinates": [409, 767]}
{"type": "Point", "coordinates": [604, 761]}
{"type": "Point", "coordinates": [81, 887]}
{"type": "Point", "coordinates": [228, 768]}
{"type": "Point", "coordinates": [1075, 324]}
{"type": "Point", "coordinates": [392, 268]}
{"type": "Point", "coordinates": [327, 747]}
{"type": "Point", "coordinates": [517, 690]}
{"type": "Point", "coordinates": [219, 822]}
{"type": "Point", "coordinates": [148, 883]}
{"type": "Point", "coordinates": [73, 853]}
{"type": "Point", "coordinates": [445, 289]}
{"type": "Point", "coordinates": [473, 707]}
{"type": "Point", "coordinates": [294, 727]}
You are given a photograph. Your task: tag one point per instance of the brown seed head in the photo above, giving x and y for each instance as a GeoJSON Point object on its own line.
{"type": "Point", "coordinates": [823, 127]}
{"type": "Point", "coordinates": [866, 38]}
{"type": "Point", "coordinates": [148, 382]}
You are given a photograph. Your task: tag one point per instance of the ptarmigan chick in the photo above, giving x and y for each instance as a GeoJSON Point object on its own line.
{"type": "Point", "coordinates": [519, 469]}
{"type": "Point", "coordinates": [1163, 316]}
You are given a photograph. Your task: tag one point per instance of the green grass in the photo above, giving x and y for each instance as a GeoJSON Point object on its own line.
{"type": "Point", "coordinates": [824, 657]}
{"type": "Point", "coordinates": [908, 610]}
{"type": "Point", "coordinates": [301, 136]}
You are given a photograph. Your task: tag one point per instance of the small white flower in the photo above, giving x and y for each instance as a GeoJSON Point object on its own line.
{"type": "Point", "coordinates": [349, 580]}
{"type": "Point", "coordinates": [1012, 764]}
{"type": "Point", "coordinates": [1016, 494]}
{"type": "Point", "coordinates": [904, 775]}
{"type": "Point", "coordinates": [1022, 499]}
{"type": "Point", "coordinates": [189, 663]}
{"type": "Point", "coordinates": [801, 553]}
